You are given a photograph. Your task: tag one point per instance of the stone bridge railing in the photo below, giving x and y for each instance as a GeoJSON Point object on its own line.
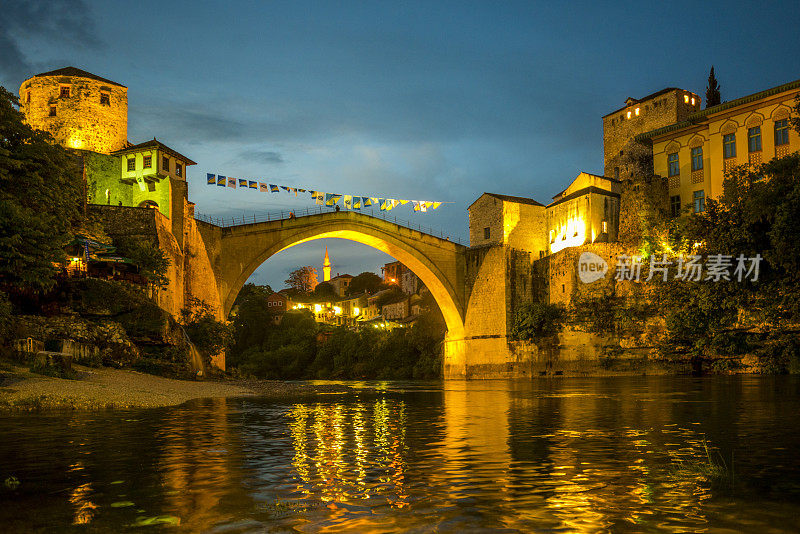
{"type": "Point", "coordinates": [255, 218]}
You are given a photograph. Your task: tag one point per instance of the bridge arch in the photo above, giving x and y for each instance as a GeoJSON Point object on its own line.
{"type": "Point", "coordinates": [437, 262]}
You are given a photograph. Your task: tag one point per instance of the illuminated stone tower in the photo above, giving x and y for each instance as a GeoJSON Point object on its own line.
{"type": "Point", "coordinates": [326, 267]}
{"type": "Point", "coordinates": [79, 109]}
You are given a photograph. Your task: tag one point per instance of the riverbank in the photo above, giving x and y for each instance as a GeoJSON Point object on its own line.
{"type": "Point", "coordinates": [98, 388]}
{"type": "Point", "coordinates": [21, 390]}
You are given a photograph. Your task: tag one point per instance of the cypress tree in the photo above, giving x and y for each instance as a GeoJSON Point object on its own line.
{"type": "Point", "coordinates": [713, 97]}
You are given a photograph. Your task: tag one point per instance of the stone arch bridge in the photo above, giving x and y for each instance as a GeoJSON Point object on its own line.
{"type": "Point", "coordinates": [236, 251]}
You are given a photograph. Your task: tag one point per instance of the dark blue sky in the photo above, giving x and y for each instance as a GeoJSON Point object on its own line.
{"type": "Point", "coordinates": [428, 100]}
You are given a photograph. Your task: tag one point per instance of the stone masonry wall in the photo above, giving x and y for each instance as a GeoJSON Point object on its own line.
{"type": "Point", "coordinates": [80, 120]}
{"type": "Point", "coordinates": [486, 212]}
{"type": "Point", "coordinates": [656, 112]}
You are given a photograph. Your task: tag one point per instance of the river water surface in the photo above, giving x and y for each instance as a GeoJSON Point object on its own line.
{"type": "Point", "coordinates": [552, 455]}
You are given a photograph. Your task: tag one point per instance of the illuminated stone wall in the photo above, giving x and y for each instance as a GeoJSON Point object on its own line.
{"type": "Point", "coordinates": [486, 212]}
{"type": "Point", "coordinates": [519, 225]}
{"type": "Point", "coordinates": [81, 120]}
{"type": "Point", "coordinates": [654, 111]}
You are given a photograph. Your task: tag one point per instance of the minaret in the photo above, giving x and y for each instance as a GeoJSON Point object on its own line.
{"type": "Point", "coordinates": [326, 266]}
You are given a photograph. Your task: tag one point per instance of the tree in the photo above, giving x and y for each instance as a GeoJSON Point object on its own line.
{"type": "Point", "coordinates": [41, 199]}
{"type": "Point", "coordinates": [713, 97]}
{"type": "Point", "coordinates": [252, 289]}
{"type": "Point", "coordinates": [303, 279]}
{"type": "Point", "coordinates": [324, 292]}
{"type": "Point", "coordinates": [365, 282]}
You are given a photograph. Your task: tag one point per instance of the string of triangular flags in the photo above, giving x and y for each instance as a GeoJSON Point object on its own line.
{"type": "Point", "coordinates": [321, 198]}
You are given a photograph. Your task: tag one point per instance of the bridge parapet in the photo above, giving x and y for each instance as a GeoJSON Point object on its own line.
{"type": "Point", "coordinates": [285, 215]}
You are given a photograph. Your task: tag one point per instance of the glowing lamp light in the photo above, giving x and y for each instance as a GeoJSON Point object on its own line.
{"type": "Point", "coordinates": [317, 308]}
{"type": "Point", "coordinates": [337, 310]}
{"type": "Point", "coordinates": [356, 310]}
{"type": "Point", "coordinates": [572, 234]}
{"type": "Point", "coordinates": [75, 142]}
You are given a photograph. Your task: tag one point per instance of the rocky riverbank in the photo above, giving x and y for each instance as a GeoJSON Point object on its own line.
{"type": "Point", "coordinates": [98, 388]}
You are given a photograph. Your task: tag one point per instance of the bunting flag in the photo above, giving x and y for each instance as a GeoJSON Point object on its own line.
{"type": "Point", "coordinates": [320, 198]}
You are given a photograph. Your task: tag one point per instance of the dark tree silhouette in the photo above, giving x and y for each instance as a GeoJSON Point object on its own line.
{"type": "Point", "coordinates": [713, 96]}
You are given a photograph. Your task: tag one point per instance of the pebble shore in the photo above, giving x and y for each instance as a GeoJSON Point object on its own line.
{"type": "Point", "coordinates": [107, 388]}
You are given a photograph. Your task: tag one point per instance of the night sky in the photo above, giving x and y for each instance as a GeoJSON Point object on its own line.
{"type": "Point", "coordinates": [428, 100]}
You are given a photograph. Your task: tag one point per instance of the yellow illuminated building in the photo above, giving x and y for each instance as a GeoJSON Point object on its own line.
{"type": "Point", "coordinates": [693, 155]}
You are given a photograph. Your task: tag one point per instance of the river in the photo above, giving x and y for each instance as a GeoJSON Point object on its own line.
{"type": "Point", "coordinates": [632, 454]}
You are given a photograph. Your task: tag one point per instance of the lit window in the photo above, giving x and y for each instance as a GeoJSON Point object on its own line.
{"type": "Point", "coordinates": [604, 224]}
{"type": "Point", "coordinates": [131, 164]}
{"type": "Point", "coordinates": [486, 233]}
{"type": "Point", "coordinates": [675, 205]}
{"type": "Point", "coordinates": [28, 98]}
{"type": "Point", "coordinates": [629, 114]}
{"type": "Point", "coordinates": [64, 93]}
{"type": "Point", "coordinates": [104, 99]}
{"type": "Point", "coordinates": [636, 111]}
{"type": "Point", "coordinates": [178, 169]}
{"type": "Point", "coordinates": [781, 131]}
{"type": "Point", "coordinates": [147, 161]}
{"type": "Point", "coordinates": [754, 139]}
{"type": "Point", "coordinates": [686, 99]}
{"type": "Point", "coordinates": [697, 159]}
{"type": "Point", "coordinates": [699, 201]}
{"type": "Point", "coordinates": [52, 111]}
{"type": "Point", "coordinates": [672, 164]}
{"type": "Point", "coordinates": [729, 146]}
{"type": "Point", "coordinates": [165, 163]}
{"type": "Point", "coordinates": [693, 101]}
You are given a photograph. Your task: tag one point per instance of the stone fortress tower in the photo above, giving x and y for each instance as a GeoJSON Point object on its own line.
{"type": "Point", "coordinates": [640, 115]}
{"type": "Point", "coordinates": [79, 109]}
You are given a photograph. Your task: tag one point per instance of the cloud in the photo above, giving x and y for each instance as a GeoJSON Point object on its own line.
{"type": "Point", "coordinates": [65, 22]}
{"type": "Point", "coordinates": [261, 156]}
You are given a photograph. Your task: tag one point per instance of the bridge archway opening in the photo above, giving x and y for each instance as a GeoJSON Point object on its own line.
{"type": "Point", "coordinates": [424, 268]}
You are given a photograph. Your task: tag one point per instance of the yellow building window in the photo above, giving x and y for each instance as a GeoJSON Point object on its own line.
{"type": "Point", "coordinates": [131, 164]}
{"type": "Point", "coordinates": [147, 161]}
{"type": "Point", "coordinates": [104, 99]}
{"type": "Point", "coordinates": [64, 91]}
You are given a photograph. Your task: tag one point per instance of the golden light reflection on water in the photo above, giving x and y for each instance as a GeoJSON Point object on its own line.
{"type": "Point", "coordinates": [483, 455]}
{"type": "Point", "coordinates": [350, 452]}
